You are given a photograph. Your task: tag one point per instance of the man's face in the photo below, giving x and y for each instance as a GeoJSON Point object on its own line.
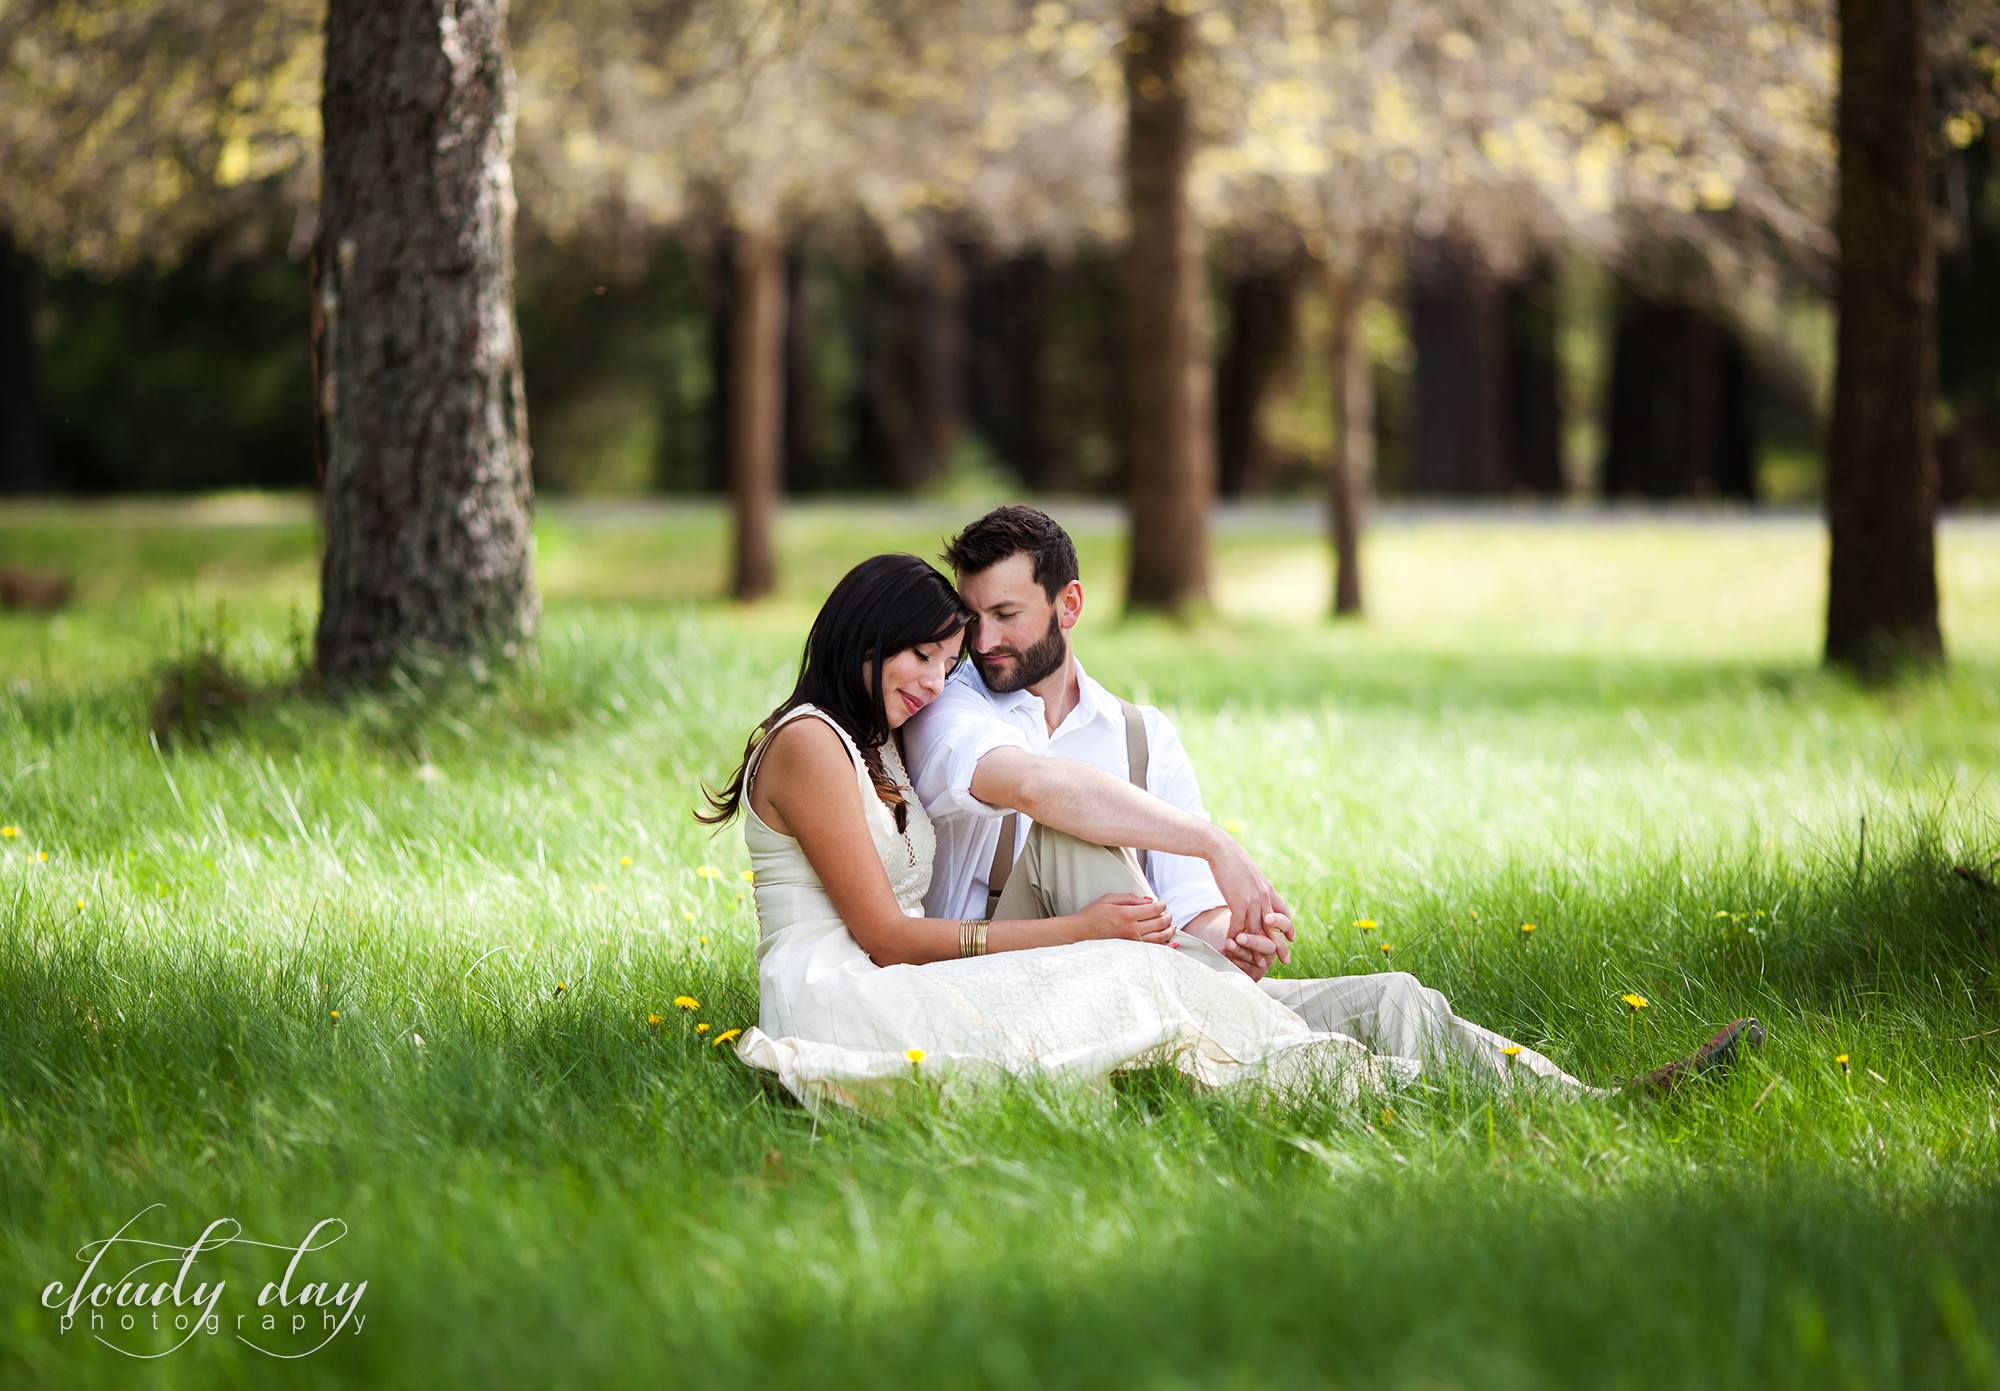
{"type": "Point", "coordinates": [1018, 636]}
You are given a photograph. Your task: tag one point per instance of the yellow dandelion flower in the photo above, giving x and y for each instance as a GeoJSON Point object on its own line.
{"type": "Point", "coordinates": [703, 939]}
{"type": "Point", "coordinates": [915, 1055]}
{"type": "Point", "coordinates": [723, 1037]}
{"type": "Point", "coordinates": [625, 861]}
{"type": "Point", "coordinates": [1634, 1002]}
{"type": "Point", "coordinates": [1842, 1060]}
{"type": "Point", "coordinates": [1512, 1050]}
{"type": "Point", "coordinates": [709, 872]}
{"type": "Point", "coordinates": [1233, 826]}
{"type": "Point", "coordinates": [655, 1020]}
{"type": "Point", "coordinates": [79, 903]}
{"type": "Point", "coordinates": [561, 986]}
{"type": "Point", "coordinates": [701, 1028]}
{"type": "Point", "coordinates": [686, 1002]}
{"type": "Point", "coordinates": [1527, 929]}
{"type": "Point", "coordinates": [748, 876]}
{"type": "Point", "coordinates": [687, 914]}
{"type": "Point", "coordinates": [334, 1015]}
{"type": "Point", "coordinates": [41, 857]}
{"type": "Point", "coordinates": [1385, 949]}
{"type": "Point", "coordinates": [9, 832]}
{"type": "Point", "coordinates": [1365, 924]}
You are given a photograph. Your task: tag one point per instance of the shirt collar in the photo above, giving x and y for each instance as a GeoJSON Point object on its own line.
{"type": "Point", "coordinates": [1098, 703]}
{"type": "Point", "coordinates": [1092, 699]}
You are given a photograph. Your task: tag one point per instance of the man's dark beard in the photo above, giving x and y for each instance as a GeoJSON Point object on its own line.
{"type": "Point", "coordinates": [1031, 666]}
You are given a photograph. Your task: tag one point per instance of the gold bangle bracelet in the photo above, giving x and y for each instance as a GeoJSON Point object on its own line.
{"type": "Point", "coordinates": [972, 936]}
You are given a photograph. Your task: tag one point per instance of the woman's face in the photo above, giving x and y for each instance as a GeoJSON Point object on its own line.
{"type": "Point", "coordinates": [913, 678]}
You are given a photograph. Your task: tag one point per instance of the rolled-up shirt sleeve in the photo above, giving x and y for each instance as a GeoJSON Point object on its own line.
{"type": "Point", "coordinates": [944, 744]}
{"type": "Point", "coordinates": [1183, 882]}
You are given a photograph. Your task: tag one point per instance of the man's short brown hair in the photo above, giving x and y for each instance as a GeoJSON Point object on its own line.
{"type": "Point", "coordinates": [1014, 530]}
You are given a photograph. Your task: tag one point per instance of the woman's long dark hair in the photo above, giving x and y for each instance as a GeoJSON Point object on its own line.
{"type": "Point", "coordinates": [882, 606]}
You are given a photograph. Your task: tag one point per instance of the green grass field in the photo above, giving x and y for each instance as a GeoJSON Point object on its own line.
{"type": "Point", "coordinates": [1618, 733]}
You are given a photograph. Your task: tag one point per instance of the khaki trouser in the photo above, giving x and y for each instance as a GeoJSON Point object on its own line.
{"type": "Point", "coordinates": [1389, 1011]}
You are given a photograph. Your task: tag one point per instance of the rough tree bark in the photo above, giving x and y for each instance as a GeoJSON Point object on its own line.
{"type": "Point", "coordinates": [1460, 414]}
{"type": "Point", "coordinates": [24, 459]}
{"type": "Point", "coordinates": [1172, 448]}
{"type": "Point", "coordinates": [1353, 472]}
{"type": "Point", "coordinates": [756, 407]}
{"type": "Point", "coordinates": [428, 501]}
{"type": "Point", "coordinates": [1882, 602]}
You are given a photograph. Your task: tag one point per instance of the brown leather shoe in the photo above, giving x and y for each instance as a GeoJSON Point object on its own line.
{"type": "Point", "coordinates": [1714, 1056]}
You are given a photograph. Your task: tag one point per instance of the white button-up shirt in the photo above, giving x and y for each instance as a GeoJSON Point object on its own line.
{"type": "Point", "coordinates": [945, 740]}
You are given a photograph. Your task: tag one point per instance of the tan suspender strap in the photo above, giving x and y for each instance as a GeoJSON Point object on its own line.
{"type": "Point", "coordinates": [1003, 853]}
{"type": "Point", "coordinates": [1135, 744]}
{"type": "Point", "coordinates": [1003, 864]}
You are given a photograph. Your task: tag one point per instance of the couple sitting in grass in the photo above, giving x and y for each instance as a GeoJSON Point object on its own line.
{"type": "Point", "coordinates": [997, 867]}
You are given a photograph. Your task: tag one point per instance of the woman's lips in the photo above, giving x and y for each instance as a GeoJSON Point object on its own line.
{"type": "Point", "coordinates": [909, 700]}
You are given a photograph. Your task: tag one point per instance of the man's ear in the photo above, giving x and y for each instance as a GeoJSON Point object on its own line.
{"type": "Point", "coordinates": [1069, 604]}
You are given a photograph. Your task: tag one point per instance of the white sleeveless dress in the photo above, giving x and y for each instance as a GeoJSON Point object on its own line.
{"type": "Point", "coordinates": [835, 1027]}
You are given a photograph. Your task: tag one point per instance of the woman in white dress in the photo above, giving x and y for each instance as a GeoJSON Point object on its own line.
{"type": "Point", "coordinates": [858, 991]}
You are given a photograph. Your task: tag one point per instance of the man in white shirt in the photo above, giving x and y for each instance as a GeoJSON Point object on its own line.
{"type": "Point", "coordinates": [1023, 735]}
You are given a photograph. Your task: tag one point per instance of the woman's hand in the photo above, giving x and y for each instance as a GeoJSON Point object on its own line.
{"type": "Point", "coordinates": [1125, 917]}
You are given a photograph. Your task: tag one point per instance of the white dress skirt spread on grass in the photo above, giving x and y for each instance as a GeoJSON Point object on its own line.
{"type": "Point", "coordinates": [835, 1027]}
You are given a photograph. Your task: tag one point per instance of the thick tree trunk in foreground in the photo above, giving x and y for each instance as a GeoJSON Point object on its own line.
{"type": "Point", "coordinates": [756, 407]}
{"type": "Point", "coordinates": [428, 502]}
{"type": "Point", "coordinates": [24, 459]}
{"type": "Point", "coordinates": [1460, 415]}
{"type": "Point", "coordinates": [1882, 602]}
{"type": "Point", "coordinates": [1262, 330]}
{"type": "Point", "coordinates": [1352, 483]}
{"type": "Point", "coordinates": [1173, 462]}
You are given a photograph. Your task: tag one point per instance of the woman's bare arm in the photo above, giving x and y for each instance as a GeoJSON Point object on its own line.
{"type": "Point", "coordinates": [807, 778]}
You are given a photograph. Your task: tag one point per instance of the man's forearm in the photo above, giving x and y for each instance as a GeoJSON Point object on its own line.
{"type": "Point", "coordinates": [1083, 800]}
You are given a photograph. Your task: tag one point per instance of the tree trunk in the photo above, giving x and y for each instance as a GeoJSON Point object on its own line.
{"type": "Point", "coordinates": [1533, 453]}
{"type": "Point", "coordinates": [429, 503]}
{"type": "Point", "coordinates": [756, 407]}
{"type": "Point", "coordinates": [910, 391]}
{"type": "Point", "coordinates": [1882, 602]}
{"type": "Point", "coordinates": [802, 398]}
{"type": "Point", "coordinates": [1455, 320]}
{"type": "Point", "coordinates": [1005, 305]}
{"type": "Point", "coordinates": [24, 459]}
{"type": "Point", "coordinates": [1262, 326]}
{"type": "Point", "coordinates": [1172, 460]}
{"type": "Point", "coordinates": [1353, 472]}
{"type": "Point", "coordinates": [1682, 409]}
{"type": "Point", "coordinates": [1735, 420]}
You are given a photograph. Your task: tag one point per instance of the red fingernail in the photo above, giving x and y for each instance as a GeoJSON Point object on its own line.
{"type": "Point", "coordinates": [1175, 945]}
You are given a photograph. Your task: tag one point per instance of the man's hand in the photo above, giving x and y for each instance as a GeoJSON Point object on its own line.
{"type": "Point", "coordinates": [1253, 952]}
{"type": "Point", "coordinates": [1251, 899]}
